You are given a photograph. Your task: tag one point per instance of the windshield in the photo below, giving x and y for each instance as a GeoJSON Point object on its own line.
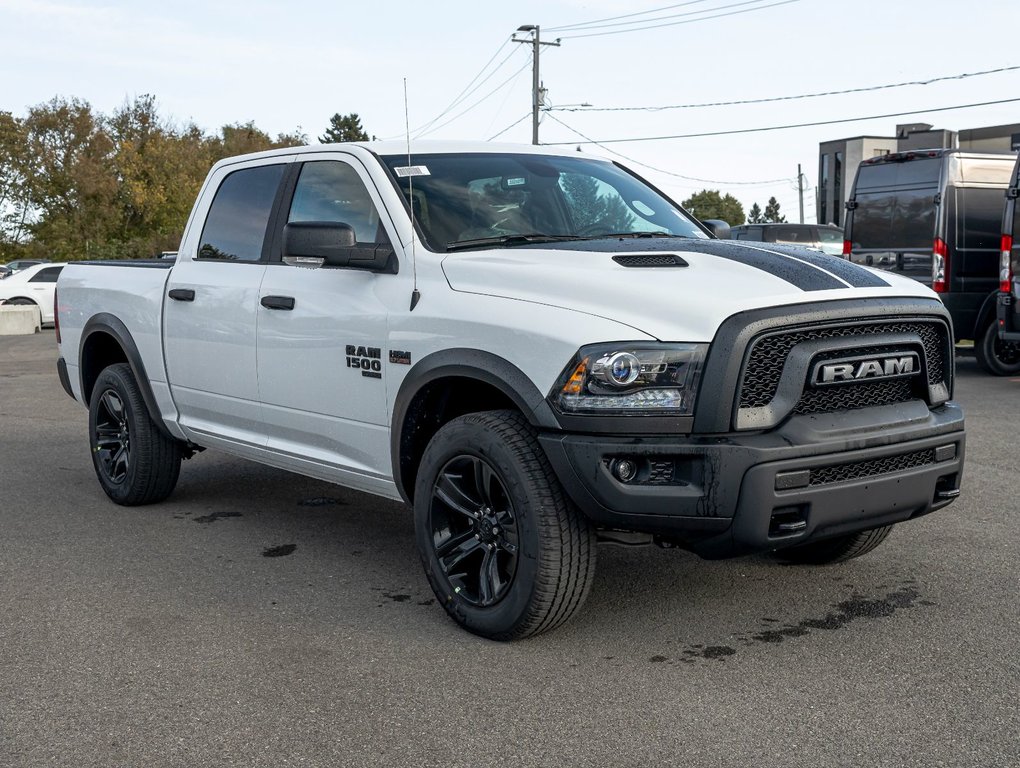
{"type": "Point", "coordinates": [474, 200]}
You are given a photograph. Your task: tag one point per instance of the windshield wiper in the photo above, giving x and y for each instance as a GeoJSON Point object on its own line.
{"type": "Point", "coordinates": [622, 235]}
{"type": "Point", "coordinates": [508, 241]}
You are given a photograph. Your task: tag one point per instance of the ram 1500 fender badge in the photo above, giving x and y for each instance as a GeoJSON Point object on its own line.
{"type": "Point", "coordinates": [367, 359]}
{"type": "Point", "coordinates": [896, 366]}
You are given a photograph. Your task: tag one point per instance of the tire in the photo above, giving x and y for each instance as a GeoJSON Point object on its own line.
{"type": "Point", "coordinates": [998, 357]}
{"type": "Point", "coordinates": [506, 552]}
{"type": "Point", "coordinates": [19, 302]}
{"type": "Point", "coordinates": [135, 462]}
{"type": "Point", "coordinates": [838, 549]}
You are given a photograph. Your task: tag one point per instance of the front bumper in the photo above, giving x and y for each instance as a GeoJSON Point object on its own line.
{"type": "Point", "coordinates": [813, 477]}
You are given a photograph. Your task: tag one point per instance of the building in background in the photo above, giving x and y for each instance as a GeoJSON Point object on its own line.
{"type": "Point", "coordinates": [838, 159]}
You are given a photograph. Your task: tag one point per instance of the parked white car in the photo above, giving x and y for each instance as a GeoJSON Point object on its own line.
{"type": "Point", "coordinates": [32, 285]}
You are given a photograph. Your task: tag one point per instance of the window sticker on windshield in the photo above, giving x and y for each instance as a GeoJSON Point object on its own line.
{"type": "Point", "coordinates": [411, 170]}
{"type": "Point", "coordinates": [516, 181]}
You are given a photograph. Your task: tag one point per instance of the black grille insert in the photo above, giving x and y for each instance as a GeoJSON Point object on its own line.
{"type": "Point", "coordinates": [855, 470]}
{"type": "Point", "coordinates": [769, 352]}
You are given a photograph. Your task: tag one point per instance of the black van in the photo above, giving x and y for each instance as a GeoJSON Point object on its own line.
{"type": "Point", "coordinates": [1009, 273]}
{"type": "Point", "coordinates": [935, 215]}
{"type": "Point", "coordinates": [822, 237]}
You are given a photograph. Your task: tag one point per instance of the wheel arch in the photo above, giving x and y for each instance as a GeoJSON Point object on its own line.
{"type": "Point", "coordinates": [985, 315]}
{"type": "Point", "coordinates": [106, 341]}
{"type": "Point", "coordinates": [448, 384]}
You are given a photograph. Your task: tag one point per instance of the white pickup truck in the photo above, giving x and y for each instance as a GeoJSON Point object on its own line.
{"type": "Point", "coordinates": [537, 350]}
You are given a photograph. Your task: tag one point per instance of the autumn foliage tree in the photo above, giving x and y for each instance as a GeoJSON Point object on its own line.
{"type": "Point", "coordinates": [77, 184]}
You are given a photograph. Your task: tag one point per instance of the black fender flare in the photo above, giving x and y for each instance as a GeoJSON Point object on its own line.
{"type": "Point", "coordinates": [486, 367]}
{"type": "Point", "coordinates": [106, 323]}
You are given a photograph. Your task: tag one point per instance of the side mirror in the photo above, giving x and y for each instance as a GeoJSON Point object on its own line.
{"type": "Point", "coordinates": [336, 245]}
{"type": "Point", "coordinates": [718, 227]}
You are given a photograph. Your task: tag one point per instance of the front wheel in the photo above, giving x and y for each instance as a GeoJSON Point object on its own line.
{"type": "Point", "coordinates": [506, 553]}
{"type": "Point", "coordinates": [998, 357]}
{"type": "Point", "coordinates": [134, 462]}
{"type": "Point", "coordinates": [838, 549]}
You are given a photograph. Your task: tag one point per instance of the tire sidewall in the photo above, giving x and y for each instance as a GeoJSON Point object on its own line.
{"type": "Point", "coordinates": [465, 437]}
{"type": "Point", "coordinates": [111, 379]}
{"type": "Point", "coordinates": [988, 357]}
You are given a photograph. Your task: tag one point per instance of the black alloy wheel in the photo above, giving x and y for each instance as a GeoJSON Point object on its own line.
{"type": "Point", "coordinates": [113, 437]}
{"type": "Point", "coordinates": [474, 530]}
{"type": "Point", "coordinates": [505, 551]}
{"type": "Point", "coordinates": [997, 357]}
{"type": "Point", "coordinates": [135, 461]}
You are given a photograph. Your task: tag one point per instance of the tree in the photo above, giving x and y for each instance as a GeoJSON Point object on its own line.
{"type": "Point", "coordinates": [711, 204]}
{"type": "Point", "coordinates": [72, 180]}
{"type": "Point", "coordinates": [15, 207]}
{"type": "Point", "coordinates": [772, 215]}
{"type": "Point", "coordinates": [344, 128]}
{"type": "Point", "coordinates": [754, 215]}
{"type": "Point", "coordinates": [590, 210]}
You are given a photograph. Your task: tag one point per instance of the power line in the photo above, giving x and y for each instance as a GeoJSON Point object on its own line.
{"type": "Point", "coordinates": [624, 16]}
{"type": "Point", "coordinates": [465, 92]}
{"type": "Point", "coordinates": [468, 90]}
{"type": "Point", "coordinates": [520, 120]}
{"type": "Point", "coordinates": [865, 89]}
{"type": "Point", "coordinates": [660, 170]}
{"type": "Point", "coordinates": [591, 26]}
{"type": "Point", "coordinates": [475, 104]}
{"type": "Point", "coordinates": [688, 21]}
{"type": "Point", "coordinates": [791, 125]}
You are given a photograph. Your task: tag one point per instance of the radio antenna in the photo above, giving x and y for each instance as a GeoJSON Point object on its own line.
{"type": "Point", "coordinates": [415, 295]}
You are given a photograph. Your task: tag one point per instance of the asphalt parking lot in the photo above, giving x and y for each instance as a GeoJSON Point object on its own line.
{"type": "Point", "coordinates": [259, 618]}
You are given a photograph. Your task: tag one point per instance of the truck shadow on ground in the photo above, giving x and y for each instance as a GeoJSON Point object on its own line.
{"type": "Point", "coordinates": [298, 532]}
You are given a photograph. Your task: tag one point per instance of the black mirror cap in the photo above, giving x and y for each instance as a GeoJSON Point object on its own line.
{"type": "Point", "coordinates": [335, 243]}
{"type": "Point", "coordinates": [718, 227]}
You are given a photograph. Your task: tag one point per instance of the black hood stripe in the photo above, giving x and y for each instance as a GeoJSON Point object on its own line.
{"type": "Point", "coordinates": [806, 269]}
{"type": "Point", "coordinates": [855, 275]}
{"type": "Point", "coordinates": [793, 270]}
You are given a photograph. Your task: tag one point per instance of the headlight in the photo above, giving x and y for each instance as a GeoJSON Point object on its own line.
{"type": "Point", "coordinates": [635, 378]}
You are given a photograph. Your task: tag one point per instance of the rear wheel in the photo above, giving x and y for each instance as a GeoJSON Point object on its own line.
{"type": "Point", "coordinates": [506, 553]}
{"type": "Point", "coordinates": [134, 461]}
{"type": "Point", "coordinates": [838, 549]}
{"type": "Point", "coordinates": [998, 357]}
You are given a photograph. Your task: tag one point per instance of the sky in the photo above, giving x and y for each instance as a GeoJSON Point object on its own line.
{"type": "Point", "coordinates": [291, 66]}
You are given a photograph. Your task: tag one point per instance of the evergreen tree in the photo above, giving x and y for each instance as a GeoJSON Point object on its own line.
{"type": "Point", "coordinates": [344, 128]}
{"type": "Point", "coordinates": [754, 216]}
{"type": "Point", "coordinates": [772, 214]}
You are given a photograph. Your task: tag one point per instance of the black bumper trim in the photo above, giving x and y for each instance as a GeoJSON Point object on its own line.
{"type": "Point", "coordinates": [721, 496]}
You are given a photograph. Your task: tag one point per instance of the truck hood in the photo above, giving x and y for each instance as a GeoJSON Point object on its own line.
{"type": "Point", "coordinates": [709, 281]}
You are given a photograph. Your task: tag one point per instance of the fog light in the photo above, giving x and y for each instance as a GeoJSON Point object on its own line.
{"type": "Point", "coordinates": [624, 470]}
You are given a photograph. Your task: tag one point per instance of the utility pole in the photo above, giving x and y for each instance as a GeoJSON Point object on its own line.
{"type": "Point", "coordinates": [800, 192]}
{"type": "Point", "coordinates": [536, 83]}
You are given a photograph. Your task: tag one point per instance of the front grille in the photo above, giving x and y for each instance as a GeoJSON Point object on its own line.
{"type": "Point", "coordinates": [849, 396]}
{"type": "Point", "coordinates": [769, 353]}
{"type": "Point", "coordinates": [855, 470]}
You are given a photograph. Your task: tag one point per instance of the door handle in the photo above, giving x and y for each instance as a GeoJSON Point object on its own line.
{"type": "Point", "coordinates": [182, 294]}
{"type": "Point", "coordinates": [277, 302]}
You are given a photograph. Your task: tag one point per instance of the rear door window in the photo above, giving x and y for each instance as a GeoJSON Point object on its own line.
{"type": "Point", "coordinates": [896, 204]}
{"type": "Point", "coordinates": [48, 275]}
{"type": "Point", "coordinates": [235, 228]}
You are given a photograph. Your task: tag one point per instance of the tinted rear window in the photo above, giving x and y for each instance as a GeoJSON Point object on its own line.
{"type": "Point", "coordinates": [896, 204]}
{"type": "Point", "coordinates": [979, 217]}
{"type": "Point", "coordinates": [236, 225]}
